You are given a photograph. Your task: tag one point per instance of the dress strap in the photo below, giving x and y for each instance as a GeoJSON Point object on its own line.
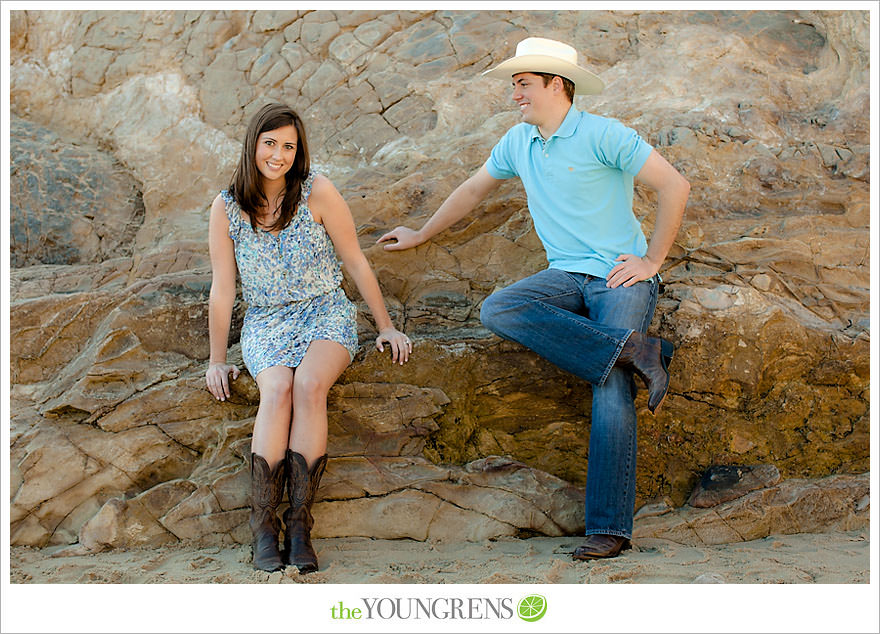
{"type": "Point", "coordinates": [232, 213]}
{"type": "Point", "coordinates": [307, 187]}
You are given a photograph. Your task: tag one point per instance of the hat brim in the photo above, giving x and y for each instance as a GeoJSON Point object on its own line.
{"type": "Point", "coordinates": [585, 82]}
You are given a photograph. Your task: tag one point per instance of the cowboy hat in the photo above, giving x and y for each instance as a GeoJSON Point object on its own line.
{"type": "Point", "coordinates": [540, 55]}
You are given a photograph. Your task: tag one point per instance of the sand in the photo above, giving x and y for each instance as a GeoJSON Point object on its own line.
{"type": "Point", "coordinates": [50, 590]}
{"type": "Point", "coordinates": [835, 557]}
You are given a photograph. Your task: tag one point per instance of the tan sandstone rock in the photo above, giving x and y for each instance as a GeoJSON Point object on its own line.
{"type": "Point", "coordinates": [792, 506]}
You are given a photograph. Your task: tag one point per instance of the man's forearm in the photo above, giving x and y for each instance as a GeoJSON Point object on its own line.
{"type": "Point", "coordinates": [458, 205]}
{"type": "Point", "coordinates": [671, 202]}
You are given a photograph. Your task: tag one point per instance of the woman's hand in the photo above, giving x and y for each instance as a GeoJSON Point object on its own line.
{"type": "Point", "coordinates": [217, 378]}
{"type": "Point", "coordinates": [400, 345]}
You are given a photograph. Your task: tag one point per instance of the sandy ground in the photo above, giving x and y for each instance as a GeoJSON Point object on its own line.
{"type": "Point", "coordinates": [838, 557]}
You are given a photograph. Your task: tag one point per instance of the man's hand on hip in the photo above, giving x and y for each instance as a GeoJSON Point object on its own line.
{"type": "Point", "coordinates": [632, 269]}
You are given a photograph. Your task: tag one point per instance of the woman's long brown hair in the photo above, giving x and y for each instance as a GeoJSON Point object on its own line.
{"type": "Point", "coordinates": [246, 186]}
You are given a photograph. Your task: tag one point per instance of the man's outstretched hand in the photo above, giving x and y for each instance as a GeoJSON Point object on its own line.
{"type": "Point", "coordinates": [406, 239]}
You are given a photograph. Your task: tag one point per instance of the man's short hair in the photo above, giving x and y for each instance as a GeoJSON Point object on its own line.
{"type": "Point", "coordinates": [567, 84]}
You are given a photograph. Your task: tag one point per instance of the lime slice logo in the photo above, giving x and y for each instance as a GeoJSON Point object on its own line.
{"type": "Point", "coordinates": [532, 607]}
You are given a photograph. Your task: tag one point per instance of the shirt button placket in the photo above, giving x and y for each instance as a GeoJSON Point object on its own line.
{"type": "Point", "coordinates": [281, 258]}
{"type": "Point", "coordinates": [276, 246]}
{"type": "Point", "coordinates": [546, 156]}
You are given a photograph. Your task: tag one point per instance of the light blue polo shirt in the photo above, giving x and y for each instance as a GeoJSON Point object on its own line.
{"type": "Point", "coordinates": [579, 185]}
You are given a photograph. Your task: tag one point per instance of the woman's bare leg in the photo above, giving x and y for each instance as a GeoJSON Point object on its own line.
{"type": "Point", "coordinates": [323, 363]}
{"type": "Point", "coordinates": [272, 424]}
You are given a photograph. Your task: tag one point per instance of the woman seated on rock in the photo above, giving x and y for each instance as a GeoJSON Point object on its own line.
{"type": "Point", "coordinates": [284, 225]}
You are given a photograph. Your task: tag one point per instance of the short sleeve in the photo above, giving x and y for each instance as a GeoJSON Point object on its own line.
{"type": "Point", "coordinates": [622, 148]}
{"type": "Point", "coordinates": [500, 164]}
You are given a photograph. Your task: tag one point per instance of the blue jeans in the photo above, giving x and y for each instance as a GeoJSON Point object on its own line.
{"type": "Point", "coordinates": [574, 321]}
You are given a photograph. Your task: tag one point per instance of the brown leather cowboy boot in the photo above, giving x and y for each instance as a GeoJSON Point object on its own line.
{"type": "Point", "coordinates": [267, 489]}
{"type": "Point", "coordinates": [648, 357]}
{"type": "Point", "coordinates": [601, 547]}
{"type": "Point", "coordinates": [301, 487]}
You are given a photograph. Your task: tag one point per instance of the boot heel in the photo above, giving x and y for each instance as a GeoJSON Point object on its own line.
{"type": "Point", "coordinates": [666, 350]}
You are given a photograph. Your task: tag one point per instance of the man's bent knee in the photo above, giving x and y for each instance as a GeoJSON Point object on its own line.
{"type": "Point", "coordinates": [495, 313]}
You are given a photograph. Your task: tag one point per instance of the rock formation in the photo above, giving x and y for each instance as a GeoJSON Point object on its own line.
{"type": "Point", "coordinates": [839, 502]}
{"type": "Point", "coordinates": [722, 483]}
{"type": "Point", "coordinates": [125, 125]}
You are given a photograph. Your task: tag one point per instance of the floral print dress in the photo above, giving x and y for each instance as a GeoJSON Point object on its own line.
{"type": "Point", "coordinates": [291, 284]}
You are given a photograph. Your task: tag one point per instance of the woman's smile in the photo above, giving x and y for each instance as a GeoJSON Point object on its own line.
{"type": "Point", "coordinates": [276, 151]}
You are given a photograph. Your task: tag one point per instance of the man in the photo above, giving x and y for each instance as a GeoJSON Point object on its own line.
{"type": "Point", "coordinates": [588, 312]}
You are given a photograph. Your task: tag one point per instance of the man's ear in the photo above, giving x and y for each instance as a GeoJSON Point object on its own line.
{"type": "Point", "coordinates": [558, 85]}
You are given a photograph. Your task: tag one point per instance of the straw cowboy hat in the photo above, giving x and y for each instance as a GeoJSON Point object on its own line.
{"type": "Point", "coordinates": [540, 55]}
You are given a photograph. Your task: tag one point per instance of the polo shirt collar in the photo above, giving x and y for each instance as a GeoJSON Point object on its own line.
{"type": "Point", "coordinates": [566, 128]}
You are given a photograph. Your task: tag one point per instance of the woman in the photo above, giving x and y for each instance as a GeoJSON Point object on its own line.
{"type": "Point", "coordinates": [283, 226]}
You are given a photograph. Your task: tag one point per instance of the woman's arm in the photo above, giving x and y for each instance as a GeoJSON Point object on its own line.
{"type": "Point", "coordinates": [221, 300]}
{"type": "Point", "coordinates": [330, 209]}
